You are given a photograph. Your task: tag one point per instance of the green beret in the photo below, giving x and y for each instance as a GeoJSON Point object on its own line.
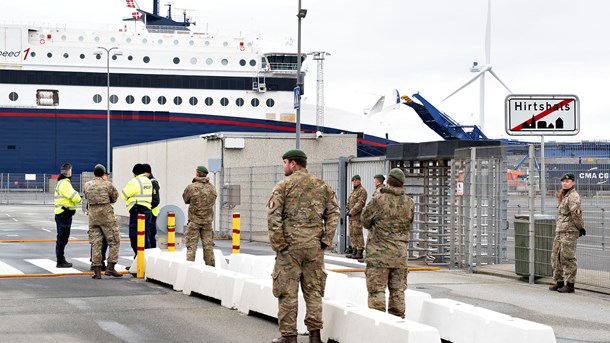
{"type": "Point", "coordinates": [202, 169]}
{"type": "Point", "coordinates": [379, 176]}
{"type": "Point", "coordinates": [294, 153]}
{"type": "Point", "coordinates": [356, 177]}
{"type": "Point", "coordinates": [98, 168]}
{"type": "Point", "coordinates": [568, 176]}
{"type": "Point", "coordinates": [398, 174]}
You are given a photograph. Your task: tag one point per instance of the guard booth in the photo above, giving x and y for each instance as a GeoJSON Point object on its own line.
{"type": "Point", "coordinates": [442, 229]}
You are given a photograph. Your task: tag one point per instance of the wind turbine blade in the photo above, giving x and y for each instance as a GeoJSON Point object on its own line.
{"type": "Point", "coordinates": [488, 34]}
{"type": "Point", "coordinates": [469, 82]}
{"type": "Point", "coordinates": [497, 78]}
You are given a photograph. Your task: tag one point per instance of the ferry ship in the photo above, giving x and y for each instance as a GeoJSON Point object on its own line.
{"type": "Point", "coordinates": [59, 87]}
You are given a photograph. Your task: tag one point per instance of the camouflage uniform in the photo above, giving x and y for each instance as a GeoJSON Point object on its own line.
{"type": "Point", "coordinates": [378, 189]}
{"type": "Point", "coordinates": [200, 196]}
{"type": "Point", "coordinates": [101, 194]}
{"type": "Point", "coordinates": [569, 222]}
{"type": "Point", "coordinates": [355, 204]}
{"type": "Point", "coordinates": [302, 216]}
{"type": "Point", "coordinates": [388, 216]}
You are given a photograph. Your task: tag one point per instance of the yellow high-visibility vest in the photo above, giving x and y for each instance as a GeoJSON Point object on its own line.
{"type": "Point", "coordinates": [65, 196]}
{"type": "Point", "coordinates": [138, 191]}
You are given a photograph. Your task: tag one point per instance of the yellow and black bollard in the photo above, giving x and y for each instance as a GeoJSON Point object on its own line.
{"type": "Point", "coordinates": [171, 231]}
{"type": "Point", "coordinates": [141, 239]}
{"type": "Point", "coordinates": [236, 232]}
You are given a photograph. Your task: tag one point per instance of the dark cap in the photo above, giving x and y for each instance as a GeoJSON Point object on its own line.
{"type": "Point", "coordinates": [568, 176]}
{"type": "Point", "coordinates": [379, 176]}
{"type": "Point", "coordinates": [356, 177]}
{"type": "Point", "coordinates": [294, 153]}
{"type": "Point", "coordinates": [202, 169]}
{"type": "Point", "coordinates": [99, 169]}
{"type": "Point", "coordinates": [398, 174]}
{"type": "Point", "coordinates": [138, 169]}
{"type": "Point", "coordinates": [147, 168]}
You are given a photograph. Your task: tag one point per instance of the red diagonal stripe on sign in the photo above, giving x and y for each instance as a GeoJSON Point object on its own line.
{"type": "Point", "coordinates": [543, 113]}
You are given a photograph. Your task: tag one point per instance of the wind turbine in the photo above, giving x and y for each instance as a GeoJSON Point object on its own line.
{"type": "Point", "coordinates": [487, 68]}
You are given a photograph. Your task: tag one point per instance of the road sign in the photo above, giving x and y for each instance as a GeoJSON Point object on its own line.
{"type": "Point", "coordinates": [542, 115]}
{"type": "Point", "coordinates": [297, 98]}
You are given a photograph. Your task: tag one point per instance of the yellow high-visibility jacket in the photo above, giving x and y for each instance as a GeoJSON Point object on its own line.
{"type": "Point", "coordinates": [138, 191]}
{"type": "Point", "coordinates": [65, 196]}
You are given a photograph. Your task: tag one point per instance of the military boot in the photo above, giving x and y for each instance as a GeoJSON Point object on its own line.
{"type": "Point", "coordinates": [349, 252]}
{"type": "Point", "coordinates": [285, 339]}
{"type": "Point", "coordinates": [568, 288]}
{"type": "Point", "coordinates": [358, 254]}
{"type": "Point", "coordinates": [97, 272]}
{"type": "Point", "coordinates": [557, 286]}
{"type": "Point", "coordinates": [314, 336]}
{"type": "Point", "coordinates": [110, 270]}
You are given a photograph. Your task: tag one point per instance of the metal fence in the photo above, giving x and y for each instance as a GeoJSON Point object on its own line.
{"type": "Point", "coordinates": [30, 189]}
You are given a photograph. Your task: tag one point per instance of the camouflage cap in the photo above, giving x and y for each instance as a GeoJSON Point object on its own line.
{"type": "Point", "coordinates": [98, 168]}
{"type": "Point", "coordinates": [569, 176]}
{"type": "Point", "coordinates": [356, 177]}
{"type": "Point", "coordinates": [202, 169]}
{"type": "Point", "coordinates": [294, 153]}
{"type": "Point", "coordinates": [398, 174]}
{"type": "Point", "coordinates": [379, 176]}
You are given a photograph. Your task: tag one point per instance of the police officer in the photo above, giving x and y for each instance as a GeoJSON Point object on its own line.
{"type": "Point", "coordinates": [302, 219]}
{"type": "Point", "coordinates": [151, 231]}
{"type": "Point", "coordinates": [388, 216]}
{"type": "Point", "coordinates": [570, 226]}
{"type": "Point", "coordinates": [200, 195]}
{"type": "Point", "coordinates": [65, 201]}
{"type": "Point", "coordinates": [378, 180]}
{"type": "Point", "coordinates": [355, 204]}
{"type": "Point", "coordinates": [138, 198]}
{"type": "Point", "coordinates": [101, 194]}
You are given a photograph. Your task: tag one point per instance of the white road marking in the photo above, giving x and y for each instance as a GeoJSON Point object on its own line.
{"type": "Point", "coordinates": [47, 230]}
{"type": "Point", "coordinates": [6, 269]}
{"type": "Point", "coordinates": [85, 260]}
{"type": "Point", "coordinates": [50, 265]}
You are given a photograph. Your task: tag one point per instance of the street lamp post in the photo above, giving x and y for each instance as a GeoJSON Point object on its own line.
{"type": "Point", "coordinates": [117, 52]}
{"type": "Point", "coordinates": [300, 15]}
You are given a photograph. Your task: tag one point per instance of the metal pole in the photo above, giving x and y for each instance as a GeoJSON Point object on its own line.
{"type": "Point", "coordinates": [108, 109]}
{"type": "Point", "coordinates": [542, 176]}
{"type": "Point", "coordinates": [531, 230]}
{"type": "Point", "coordinates": [298, 126]}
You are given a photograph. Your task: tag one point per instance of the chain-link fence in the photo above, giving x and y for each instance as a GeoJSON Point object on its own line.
{"type": "Point", "coordinates": [30, 189]}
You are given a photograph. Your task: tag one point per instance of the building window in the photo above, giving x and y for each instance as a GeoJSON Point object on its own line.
{"type": "Point", "coordinates": [224, 101]}
{"type": "Point", "coordinates": [255, 102]}
{"type": "Point", "coordinates": [177, 100]}
{"type": "Point", "coordinates": [270, 103]}
{"type": "Point", "coordinates": [162, 100]}
{"type": "Point", "coordinates": [97, 98]}
{"type": "Point", "coordinates": [146, 100]}
{"type": "Point", "coordinates": [209, 101]}
{"type": "Point", "coordinates": [47, 97]}
{"type": "Point", "coordinates": [130, 99]}
{"type": "Point", "coordinates": [193, 101]}
{"type": "Point", "coordinates": [13, 96]}
{"type": "Point", "coordinates": [239, 102]}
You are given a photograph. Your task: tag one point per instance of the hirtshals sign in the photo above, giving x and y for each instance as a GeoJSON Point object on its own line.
{"type": "Point", "coordinates": [542, 115]}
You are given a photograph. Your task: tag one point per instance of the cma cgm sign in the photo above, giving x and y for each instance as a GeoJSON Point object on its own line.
{"type": "Point", "coordinates": [542, 115]}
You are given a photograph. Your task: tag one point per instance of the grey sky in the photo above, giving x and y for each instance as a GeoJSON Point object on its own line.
{"type": "Point", "coordinates": [538, 47]}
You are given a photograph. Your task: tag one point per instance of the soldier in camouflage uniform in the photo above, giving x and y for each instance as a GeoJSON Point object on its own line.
{"type": "Point", "coordinates": [302, 219]}
{"type": "Point", "coordinates": [570, 226]}
{"type": "Point", "coordinates": [378, 182]}
{"type": "Point", "coordinates": [101, 195]}
{"type": "Point", "coordinates": [355, 204]}
{"type": "Point", "coordinates": [388, 217]}
{"type": "Point", "coordinates": [200, 195]}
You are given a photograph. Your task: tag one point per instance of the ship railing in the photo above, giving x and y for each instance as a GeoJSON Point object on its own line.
{"type": "Point", "coordinates": [165, 29]}
{"type": "Point", "coordinates": [287, 68]}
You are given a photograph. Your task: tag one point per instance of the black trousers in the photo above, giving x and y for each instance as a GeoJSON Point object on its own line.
{"type": "Point", "coordinates": [64, 223]}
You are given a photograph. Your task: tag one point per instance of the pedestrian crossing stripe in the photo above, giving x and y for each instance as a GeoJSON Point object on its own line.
{"type": "Point", "coordinates": [82, 264]}
{"type": "Point", "coordinates": [6, 269]}
{"type": "Point", "coordinates": [117, 267]}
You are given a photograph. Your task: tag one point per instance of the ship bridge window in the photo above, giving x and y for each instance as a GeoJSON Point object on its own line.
{"type": "Point", "coordinates": [129, 99]}
{"type": "Point", "coordinates": [146, 100]}
{"type": "Point", "coordinates": [224, 101]}
{"type": "Point", "coordinates": [270, 103]}
{"type": "Point", "coordinates": [162, 100]}
{"type": "Point", "coordinates": [239, 102]}
{"type": "Point", "coordinates": [242, 62]}
{"type": "Point", "coordinates": [193, 101]}
{"type": "Point", "coordinates": [13, 96]}
{"type": "Point", "coordinates": [255, 102]}
{"type": "Point", "coordinates": [209, 101]}
{"type": "Point", "coordinates": [177, 100]}
{"type": "Point", "coordinates": [176, 60]}
{"type": "Point", "coordinates": [146, 59]}
{"type": "Point", "coordinates": [97, 98]}
{"type": "Point", "coordinates": [47, 97]}
{"type": "Point", "coordinates": [114, 98]}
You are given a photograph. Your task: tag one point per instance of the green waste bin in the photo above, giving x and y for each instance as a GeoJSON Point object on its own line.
{"type": "Point", "coordinates": [544, 233]}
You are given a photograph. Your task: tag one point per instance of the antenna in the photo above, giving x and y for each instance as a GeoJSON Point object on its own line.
{"type": "Point", "coordinates": [319, 56]}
